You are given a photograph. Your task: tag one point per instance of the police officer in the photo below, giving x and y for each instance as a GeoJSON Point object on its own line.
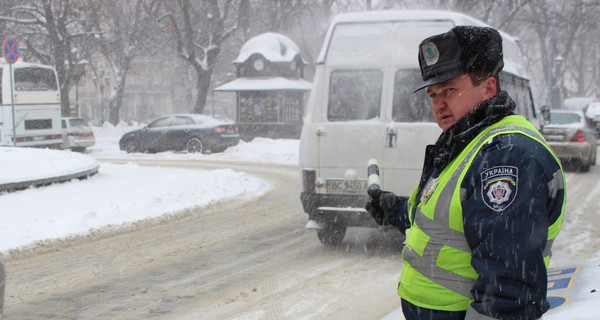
{"type": "Point", "coordinates": [479, 226]}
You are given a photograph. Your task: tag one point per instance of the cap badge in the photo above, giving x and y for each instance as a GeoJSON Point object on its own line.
{"type": "Point", "coordinates": [430, 53]}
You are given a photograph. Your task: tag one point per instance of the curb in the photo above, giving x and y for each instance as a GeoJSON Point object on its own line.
{"type": "Point", "coordinates": [16, 186]}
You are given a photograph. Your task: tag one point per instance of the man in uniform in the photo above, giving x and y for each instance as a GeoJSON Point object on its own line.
{"type": "Point", "coordinates": [479, 226]}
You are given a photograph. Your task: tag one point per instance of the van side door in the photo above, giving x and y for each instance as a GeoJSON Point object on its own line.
{"type": "Point", "coordinates": [412, 128]}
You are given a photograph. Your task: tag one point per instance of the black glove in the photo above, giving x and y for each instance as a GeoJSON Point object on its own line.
{"type": "Point", "coordinates": [379, 205]}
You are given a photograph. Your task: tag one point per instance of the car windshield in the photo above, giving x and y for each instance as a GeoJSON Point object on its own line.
{"type": "Point", "coordinates": [564, 118]}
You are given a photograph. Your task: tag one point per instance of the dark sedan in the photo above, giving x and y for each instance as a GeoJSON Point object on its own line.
{"type": "Point", "coordinates": [572, 138]}
{"type": "Point", "coordinates": [179, 132]}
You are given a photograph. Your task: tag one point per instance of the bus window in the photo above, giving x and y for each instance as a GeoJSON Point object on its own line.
{"type": "Point", "coordinates": [38, 124]}
{"type": "Point", "coordinates": [354, 95]}
{"type": "Point", "coordinates": [408, 106]}
{"type": "Point", "coordinates": [35, 79]}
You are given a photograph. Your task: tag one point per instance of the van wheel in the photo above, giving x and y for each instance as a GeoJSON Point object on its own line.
{"type": "Point", "coordinates": [585, 167]}
{"type": "Point", "coordinates": [194, 145]}
{"type": "Point", "coordinates": [332, 234]}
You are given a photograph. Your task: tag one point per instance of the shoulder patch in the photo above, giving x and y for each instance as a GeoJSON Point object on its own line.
{"type": "Point", "coordinates": [499, 186]}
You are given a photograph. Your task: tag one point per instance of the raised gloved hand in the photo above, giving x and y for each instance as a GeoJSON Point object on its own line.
{"type": "Point", "coordinates": [379, 206]}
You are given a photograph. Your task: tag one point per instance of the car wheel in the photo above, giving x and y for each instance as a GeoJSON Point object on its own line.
{"type": "Point", "coordinates": [332, 234]}
{"type": "Point", "coordinates": [194, 145]}
{"type": "Point", "coordinates": [131, 147]}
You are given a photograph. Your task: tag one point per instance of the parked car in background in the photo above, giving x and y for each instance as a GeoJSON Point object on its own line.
{"type": "Point", "coordinates": [572, 138]}
{"type": "Point", "coordinates": [182, 132]}
{"type": "Point", "coordinates": [77, 134]}
{"type": "Point", "coordinates": [592, 111]}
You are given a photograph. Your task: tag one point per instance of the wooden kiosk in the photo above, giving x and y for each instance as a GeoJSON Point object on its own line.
{"type": "Point", "coordinates": [270, 88]}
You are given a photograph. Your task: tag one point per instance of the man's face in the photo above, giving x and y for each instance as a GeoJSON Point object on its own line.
{"type": "Point", "coordinates": [455, 98]}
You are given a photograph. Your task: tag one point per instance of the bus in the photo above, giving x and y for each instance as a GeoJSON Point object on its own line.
{"type": "Point", "coordinates": [362, 106]}
{"type": "Point", "coordinates": [31, 113]}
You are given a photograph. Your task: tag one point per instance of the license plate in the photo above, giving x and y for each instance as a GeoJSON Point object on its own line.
{"type": "Point", "coordinates": [344, 186]}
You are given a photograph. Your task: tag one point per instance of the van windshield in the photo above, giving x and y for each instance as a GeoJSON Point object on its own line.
{"type": "Point", "coordinates": [354, 95]}
{"type": "Point", "coordinates": [408, 106]}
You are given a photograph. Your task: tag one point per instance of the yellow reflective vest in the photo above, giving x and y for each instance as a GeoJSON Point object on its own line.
{"type": "Point", "coordinates": [437, 272]}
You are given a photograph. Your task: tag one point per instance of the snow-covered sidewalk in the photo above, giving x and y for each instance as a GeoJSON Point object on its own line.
{"type": "Point", "coordinates": [118, 193]}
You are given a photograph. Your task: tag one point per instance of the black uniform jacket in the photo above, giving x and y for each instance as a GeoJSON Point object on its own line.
{"type": "Point", "coordinates": [506, 228]}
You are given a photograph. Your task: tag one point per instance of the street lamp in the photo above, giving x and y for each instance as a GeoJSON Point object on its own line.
{"type": "Point", "coordinates": [77, 71]}
{"type": "Point", "coordinates": [212, 93]}
{"type": "Point", "coordinates": [100, 83]}
{"type": "Point", "coordinates": [107, 85]}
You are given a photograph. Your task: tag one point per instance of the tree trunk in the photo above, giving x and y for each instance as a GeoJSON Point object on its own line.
{"type": "Point", "coordinates": [114, 107]}
{"type": "Point", "coordinates": [203, 86]}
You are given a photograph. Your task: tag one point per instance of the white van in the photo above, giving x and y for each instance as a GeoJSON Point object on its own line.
{"type": "Point", "coordinates": [362, 107]}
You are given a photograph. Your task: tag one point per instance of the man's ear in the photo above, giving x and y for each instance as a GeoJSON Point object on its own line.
{"type": "Point", "coordinates": [490, 87]}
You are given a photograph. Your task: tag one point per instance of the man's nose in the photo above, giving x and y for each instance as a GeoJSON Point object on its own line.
{"type": "Point", "coordinates": [438, 103]}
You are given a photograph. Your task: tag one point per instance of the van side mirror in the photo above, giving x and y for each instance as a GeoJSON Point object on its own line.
{"type": "Point", "coordinates": [545, 115]}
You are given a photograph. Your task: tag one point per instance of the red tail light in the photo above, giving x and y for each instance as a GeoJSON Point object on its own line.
{"type": "Point", "coordinates": [39, 138]}
{"type": "Point", "coordinates": [579, 136]}
{"type": "Point", "coordinates": [309, 178]}
{"type": "Point", "coordinates": [220, 130]}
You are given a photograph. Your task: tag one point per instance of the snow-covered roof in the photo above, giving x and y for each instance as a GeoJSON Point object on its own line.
{"type": "Point", "coordinates": [274, 47]}
{"type": "Point", "coordinates": [261, 84]}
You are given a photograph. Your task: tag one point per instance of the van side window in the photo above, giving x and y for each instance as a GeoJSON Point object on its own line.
{"type": "Point", "coordinates": [408, 106]}
{"type": "Point", "coordinates": [354, 95]}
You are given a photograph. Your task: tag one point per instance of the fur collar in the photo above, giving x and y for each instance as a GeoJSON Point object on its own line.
{"type": "Point", "coordinates": [456, 138]}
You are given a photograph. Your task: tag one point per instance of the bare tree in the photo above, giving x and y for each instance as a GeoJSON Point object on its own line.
{"type": "Point", "coordinates": [122, 31]}
{"type": "Point", "coordinates": [48, 29]}
{"type": "Point", "coordinates": [199, 32]}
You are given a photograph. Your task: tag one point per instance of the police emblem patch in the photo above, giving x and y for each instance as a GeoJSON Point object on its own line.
{"type": "Point", "coordinates": [499, 187]}
{"type": "Point", "coordinates": [430, 53]}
